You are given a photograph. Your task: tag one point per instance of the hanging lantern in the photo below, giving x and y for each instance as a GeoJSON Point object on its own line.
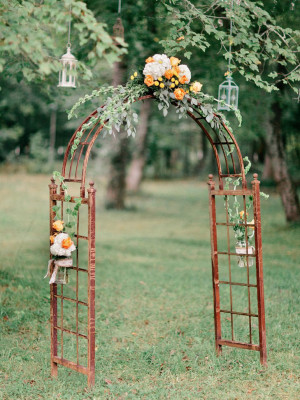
{"type": "Point", "coordinates": [228, 92]}
{"type": "Point", "coordinates": [118, 29]}
{"type": "Point", "coordinates": [67, 73]}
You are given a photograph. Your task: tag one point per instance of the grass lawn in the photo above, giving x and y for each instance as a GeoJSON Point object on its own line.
{"type": "Point", "coordinates": [154, 314]}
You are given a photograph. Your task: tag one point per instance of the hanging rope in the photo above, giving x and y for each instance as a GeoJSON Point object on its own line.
{"type": "Point", "coordinates": [69, 34]}
{"type": "Point", "coordinates": [229, 60]}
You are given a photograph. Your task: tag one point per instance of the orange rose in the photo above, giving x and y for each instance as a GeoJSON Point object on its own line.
{"type": "Point", "coordinates": [169, 74]}
{"type": "Point", "coordinates": [58, 225]}
{"type": "Point", "coordinates": [149, 60]}
{"type": "Point", "coordinates": [175, 71]}
{"type": "Point", "coordinates": [183, 79]}
{"type": "Point", "coordinates": [179, 93]}
{"type": "Point", "coordinates": [149, 80]}
{"type": "Point", "coordinates": [66, 243]}
{"type": "Point", "coordinates": [52, 239]}
{"type": "Point", "coordinates": [174, 61]}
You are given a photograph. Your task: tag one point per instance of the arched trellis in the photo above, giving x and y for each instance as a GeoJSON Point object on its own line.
{"type": "Point", "coordinates": [230, 164]}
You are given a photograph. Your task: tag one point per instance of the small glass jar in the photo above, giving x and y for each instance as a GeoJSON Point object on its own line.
{"type": "Point", "coordinates": [241, 251]}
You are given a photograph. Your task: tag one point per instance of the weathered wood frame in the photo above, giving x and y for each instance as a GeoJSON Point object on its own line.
{"type": "Point", "coordinates": [76, 172]}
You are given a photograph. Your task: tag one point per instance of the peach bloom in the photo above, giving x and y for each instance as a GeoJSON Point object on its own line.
{"type": "Point", "coordinates": [149, 80]}
{"type": "Point", "coordinates": [58, 225]}
{"type": "Point", "coordinates": [179, 93]}
{"type": "Point", "coordinates": [149, 60]}
{"type": "Point", "coordinates": [175, 71]}
{"type": "Point", "coordinates": [52, 239]}
{"type": "Point", "coordinates": [174, 61]}
{"type": "Point", "coordinates": [196, 87]}
{"type": "Point", "coordinates": [169, 74]}
{"type": "Point", "coordinates": [180, 38]}
{"type": "Point", "coordinates": [183, 79]}
{"type": "Point", "coordinates": [66, 243]}
{"type": "Point", "coordinates": [242, 214]}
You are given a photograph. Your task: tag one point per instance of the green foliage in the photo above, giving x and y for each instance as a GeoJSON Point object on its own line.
{"type": "Point", "coordinates": [258, 43]}
{"type": "Point", "coordinates": [72, 212]}
{"type": "Point", "coordinates": [31, 33]}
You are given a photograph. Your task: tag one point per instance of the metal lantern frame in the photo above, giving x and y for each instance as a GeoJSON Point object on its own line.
{"type": "Point", "coordinates": [228, 92]}
{"type": "Point", "coordinates": [229, 165]}
{"type": "Point", "coordinates": [67, 75]}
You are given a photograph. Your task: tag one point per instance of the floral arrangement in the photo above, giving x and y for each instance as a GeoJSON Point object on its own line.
{"type": "Point", "coordinates": [168, 81]}
{"type": "Point", "coordinates": [61, 244]}
{"type": "Point", "coordinates": [239, 218]}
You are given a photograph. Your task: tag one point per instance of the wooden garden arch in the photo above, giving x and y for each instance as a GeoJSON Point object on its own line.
{"type": "Point", "coordinates": [74, 170]}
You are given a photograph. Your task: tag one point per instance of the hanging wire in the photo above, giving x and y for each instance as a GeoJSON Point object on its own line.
{"type": "Point", "coordinates": [120, 7]}
{"type": "Point", "coordinates": [229, 60]}
{"type": "Point", "coordinates": [69, 34]}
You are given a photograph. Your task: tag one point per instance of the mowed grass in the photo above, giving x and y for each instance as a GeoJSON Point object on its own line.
{"type": "Point", "coordinates": [154, 312]}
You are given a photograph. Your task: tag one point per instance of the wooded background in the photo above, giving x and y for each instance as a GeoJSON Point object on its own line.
{"type": "Point", "coordinates": [34, 129]}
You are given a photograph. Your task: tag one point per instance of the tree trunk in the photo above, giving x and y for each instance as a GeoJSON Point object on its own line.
{"type": "Point", "coordinates": [281, 174]}
{"type": "Point", "coordinates": [135, 174]}
{"type": "Point", "coordinates": [116, 188]}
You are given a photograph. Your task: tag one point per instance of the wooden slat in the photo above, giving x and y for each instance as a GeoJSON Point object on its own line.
{"type": "Point", "coordinates": [72, 300]}
{"type": "Point", "coordinates": [236, 284]}
{"type": "Point", "coordinates": [61, 197]}
{"type": "Point", "coordinates": [71, 332]}
{"type": "Point", "coordinates": [70, 364]}
{"type": "Point", "coordinates": [241, 345]}
{"type": "Point", "coordinates": [235, 254]}
{"type": "Point", "coordinates": [238, 313]}
{"type": "Point", "coordinates": [237, 192]}
{"type": "Point", "coordinates": [81, 237]}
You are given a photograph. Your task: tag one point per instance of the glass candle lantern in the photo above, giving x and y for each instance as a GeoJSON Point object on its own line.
{"type": "Point", "coordinates": [67, 73]}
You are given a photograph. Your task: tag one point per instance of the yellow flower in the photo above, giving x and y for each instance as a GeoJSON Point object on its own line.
{"type": "Point", "coordinates": [156, 83]}
{"type": "Point", "coordinates": [135, 74]}
{"type": "Point", "coordinates": [132, 77]}
{"type": "Point", "coordinates": [196, 87]}
{"type": "Point", "coordinates": [176, 82]}
{"type": "Point", "coordinates": [58, 225]}
{"type": "Point", "coordinates": [172, 85]}
{"type": "Point", "coordinates": [174, 61]}
{"type": "Point", "coordinates": [162, 85]}
{"type": "Point", "coordinates": [159, 79]}
{"type": "Point", "coordinates": [173, 80]}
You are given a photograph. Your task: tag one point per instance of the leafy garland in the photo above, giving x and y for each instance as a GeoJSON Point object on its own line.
{"type": "Point", "coordinates": [72, 213]}
{"type": "Point", "coordinates": [236, 215]}
{"type": "Point", "coordinates": [117, 111]}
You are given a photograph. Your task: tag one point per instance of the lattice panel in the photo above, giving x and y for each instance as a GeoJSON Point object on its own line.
{"type": "Point", "coordinates": [238, 292]}
{"type": "Point", "coordinates": [73, 304]}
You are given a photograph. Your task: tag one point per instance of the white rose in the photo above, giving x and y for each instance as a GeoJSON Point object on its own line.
{"type": "Point", "coordinates": [57, 250]}
{"type": "Point", "coordinates": [163, 60]}
{"type": "Point", "coordinates": [154, 69]}
{"type": "Point", "coordinates": [184, 70]}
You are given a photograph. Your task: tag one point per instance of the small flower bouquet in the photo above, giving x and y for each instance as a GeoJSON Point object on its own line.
{"type": "Point", "coordinates": [61, 249]}
{"type": "Point", "coordinates": [240, 234]}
